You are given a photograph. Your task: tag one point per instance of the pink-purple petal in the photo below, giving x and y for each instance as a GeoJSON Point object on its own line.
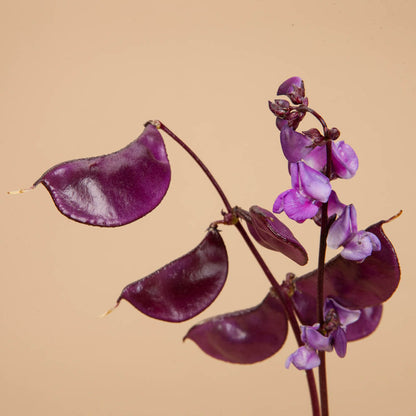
{"type": "Point", "coordinates": [340, 342]}
{"type": "Point", "coordinates": [360, 246]}
{"type": "Point", "coordinates": [294, 176]}
{"type": "Point", "coordinates": [295, 145]}
{"type": "Point", "coordinates": [313, 183]}
{"type": "Point", "coordinates": [335, 207]}
{"type": "Point", "coordinates": [245, 336]}
{"type": "Point", "coordinates": [185, 287]}
{"type": "Point", "coordinates": [345, 315]}
{"type": "Point", "coordinates": [343, 228]}
{"type": "Point", "coordinates": [298, 207]}
{"type": "Point", "coordinates": [314, 339]}
{"type": "Point", "coordinates": [114, 189]}
{"type": "Point", "coordinates": [344, 160]}
{"type": "Point", "coordinates": [316, 159]}
{"type": "Point", "coordinates": [281, 124]}
{"type": "Point", "coordinates": [303, 358]}
{"type": "Point", "coordinates": [288, 86]}
{"type": "Point", "coordinates": [279, 205]}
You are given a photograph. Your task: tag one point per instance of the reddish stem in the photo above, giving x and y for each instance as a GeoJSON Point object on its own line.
{"type": "Point", "coordinates": [323, 385]}
{"type": "Point", "coordinates": [278, 290]}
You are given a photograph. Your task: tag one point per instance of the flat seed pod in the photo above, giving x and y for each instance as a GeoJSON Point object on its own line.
{"type": "Point", "coordinates": [246, 336]}
{"type": "Point", "coordinates": [271, 233]}
{"type": "Point", "coordinates": [354, 285]}
{"type": "Point", "coordinates": [113, 189]}
{"type": "Point", "coordinates": [369, 319]}
{"type": "Point", "coordinates": [185, 287]}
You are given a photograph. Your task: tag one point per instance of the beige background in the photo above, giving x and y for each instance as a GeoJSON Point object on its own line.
{"type": "Point", "coordinates": [79, 78]}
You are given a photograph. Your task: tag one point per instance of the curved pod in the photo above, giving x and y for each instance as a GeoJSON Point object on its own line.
{"type": "Point", "coordinates": [114, 189]}
{"type": "Point", "coordinates": [185, 287]}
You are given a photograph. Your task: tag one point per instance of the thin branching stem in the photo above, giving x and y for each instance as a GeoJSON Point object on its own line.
{"type": "Point", "coordinates": [289, 311]}
{"type": "Point", "coordinates": [323, 388]}
{"type": "Point", "coordinates": [199, 162]}
{"type": "Point", "coordinates": [276, 286]}
{"type": "Point", "coordinates": [323, 384]}
{"type": "Point", "coordinates": [304, 109]}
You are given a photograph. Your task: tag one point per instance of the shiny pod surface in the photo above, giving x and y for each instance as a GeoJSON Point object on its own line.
{"type": "Point", "coordinates": [367, 323]}
{"type": "Point", "coordinates": [245, 336]}
{"type": "Point", "coordinates": [113, 189]}
{"type": "Point", "coordinates": [271, 233]}
{"type": "Point", "coordinates": [186, 286]}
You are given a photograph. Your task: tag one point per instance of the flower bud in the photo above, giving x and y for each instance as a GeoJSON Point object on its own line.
{"type": "Point", "coordinates": [280, 108]}
{"type": "Point", "coordinates": [294, 89]}
{"type": "Point", "coordinates": [333, 134]}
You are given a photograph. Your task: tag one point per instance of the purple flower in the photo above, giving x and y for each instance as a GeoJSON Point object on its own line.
{"type": "Point", "coordinates": [360, 246]}
{"type": "Point", "coordinates": [356, 285]}
{"type": "Point", "coordinates": [346, 316]}
{"type": "Point", "coordinates": [339, 339]}
{"type": "Point", "coordinates": [343, 228]}
{"type": "Point", "coordinates": [316, 158]}
{"type": "Point", "coordinates": [357, 244]}
{"type": "Point", "coordinates": [311, 336]}
{"type": "Point", "coordinates": [295, 145]}
{"type": "Point", "coordinates": [304, 358]}
{"type": "Point", "coordinates": [332, 335]}
{"type": "Point", "coordinates": [310, 188]}
{"type": "Point", "coordinates": [335, 207]}
{"type": "Point", "coordinates": [294, 89]}
{"type": "Point", "coordinates": [344, 160]}
{"type": "Point", "coordinates": [337, 318]}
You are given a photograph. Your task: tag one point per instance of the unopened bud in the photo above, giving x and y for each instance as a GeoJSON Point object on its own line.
{"type": "Point", "coordinates": [334, 133]}
{"type": "Point", "coordinates": [280, 108]}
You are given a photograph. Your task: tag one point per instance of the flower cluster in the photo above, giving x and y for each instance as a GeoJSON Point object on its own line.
{"type": "Point", "coordinates": [311, 174]}
{"type": "Point", "coordinates": [331, 335]}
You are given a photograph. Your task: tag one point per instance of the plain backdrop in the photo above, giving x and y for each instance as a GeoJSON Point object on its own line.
{"type": "Point", "coordinates": [79, 78]}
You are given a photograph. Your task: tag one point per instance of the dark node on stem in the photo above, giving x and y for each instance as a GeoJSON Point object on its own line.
{"type": "Point", "coordinates": [333, 134]}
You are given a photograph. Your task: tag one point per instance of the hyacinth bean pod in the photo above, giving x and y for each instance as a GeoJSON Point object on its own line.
{"type": "Point", "coordinates": [243, 337]}
{"type": "Point", "coordinates": [271, 233]}
{"type": "Point", "coordinates": [355, 285]}
{"type": "Point", "coordinates": [185, 287]}
{"type": "Point", "coordinates": [367, 323]}
{"type": "Point", "coordinates": [114, 189]}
